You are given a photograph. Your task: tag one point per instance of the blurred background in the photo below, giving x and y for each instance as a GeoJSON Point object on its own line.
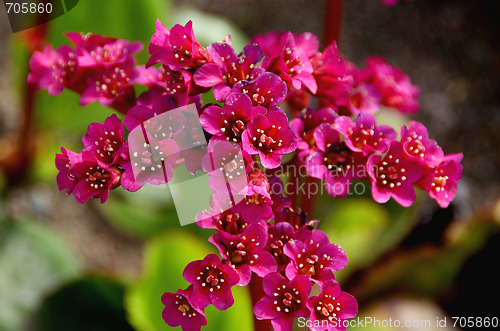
{"type": "Point", "coordinates": [66, 266]}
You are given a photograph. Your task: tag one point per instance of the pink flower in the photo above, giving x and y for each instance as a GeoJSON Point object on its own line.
{"type": "Point", "coordinates": [64, 161]}
{"type": "Point", "coordinates": [304, 126]}
{"type": "Point", "coordinates": [285, 300]}
{"type": "Point", "coordinates": [88, 41]}
{"type": "Point", "coordinates": [393, 175]}
{"type": "Point", "coordinates": [297, 219]}
{"type": "Point", "coordinates": [441, 183]}
{"type": "Point", "coordinates": [227, 221]}
{"type": "Point", "coordinates": [418, 146]}
{"type": "Point", "coordinates": [288, 59]}
{"type": "Point", "coordinates": [334, 82]}
{"type": "Point", "coordinates": [279, 235]}
{"type": "Point", "coordinates": [109, 54]}
{"type": "Point", "coordinates": [228, 69]}
{"type": "Point", "coordinates": [245, 252]}
{"type": "Point", "coordinates": [212, 282]}
{"type": "Point", "coordinates": [364, 98]}
{"type": "Point", "coordinates": [256, 206]}
{"type": "Point", "coordinates": [176, 48]}
{"type": "Point", "coordinates": [364, 135]}
{"type": "Point", "coordinates": [180, 311]}
{"type": "Point", "coordinates": [229, 122]}
{"type": "Point", "coordinates": [225, 165]}
{"type": "Point", "coordinates": [331, 308]}
{"type": "Point", "coordinates": [111, 86]}
{"type": "Point", "coordinates": [316, 258]}
{"type": "Point", "coordinates": [152, 160]}
{"type": "Point", "coordinates": [267, 90]}
{"type": "Point", "coordinates": [269, 137]}
{"type": "Point", "coordinates": [150, 77]}
{"type": "Point", "coordinates": [93, 178]}
{"type": "Point", "coordinates": [160, 104]}
{"type": "Point", "coordinates": [53, 69]}
{"type": "Point", "coordinates": [334, 162]}
{"type": "Point", "coordinates": [395, 87]}
{"type": "Point", "coordinates": [106, 141]}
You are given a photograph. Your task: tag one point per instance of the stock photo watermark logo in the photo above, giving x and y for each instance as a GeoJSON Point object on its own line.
{"type": "Point", "coordinates": [213, 178]}
{"type": "Point", "coordinates": [25, 14]}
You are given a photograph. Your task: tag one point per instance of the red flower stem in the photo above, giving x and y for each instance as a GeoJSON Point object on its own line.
{"type": "Point", "coordinates": [257, 293]}
{"type": "Point", "coordinates": [312, 187]}
{"type": "Point", "coordinates": [333, 21]}
{"type": "Point", "coordinates": [17, 164]}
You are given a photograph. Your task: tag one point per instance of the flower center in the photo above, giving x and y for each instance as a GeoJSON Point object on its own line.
{"type": "Point", "coordinates": [184, 307]}
{"type": "Point", "coordinates": [327, 308]}
{"type": "Point", "coordinates": [415, 146]}
{"type": "Point", "coordinates": [287, 300]}
{"type": "Point", "coordinates": [390, 174]}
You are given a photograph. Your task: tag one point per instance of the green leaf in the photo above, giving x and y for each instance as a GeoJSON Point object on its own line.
{"type": "Point", "coordinates": [143, 213]}
{"type": "Point", "coordinates": [34, 261]}
{"type": "Point", "coordinates": [165, 259]}
{"type": "Point", "coordinates": [89, 304]}
{"type": "Point", "coordinates": [356, 224]}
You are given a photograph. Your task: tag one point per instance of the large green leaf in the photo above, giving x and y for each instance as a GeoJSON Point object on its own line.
{"type": "Point", "coordinates": [366, 229]}
{"type": "Point", "coordinates": [33, 262]}
{"type": "Point", "coordinates": [89, 304]}
{"type": "Point", "coordinates": [165, 258]}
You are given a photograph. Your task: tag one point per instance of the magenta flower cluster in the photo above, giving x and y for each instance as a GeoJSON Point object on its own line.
{"type": "Point", "coordinates": [264, 110]}
{"type": "Point", "coordinates": [281, 247]}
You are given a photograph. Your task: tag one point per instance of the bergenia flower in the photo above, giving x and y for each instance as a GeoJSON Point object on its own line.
{"type": "Point", "coordinates": [53, 69]}
{"type": "Point", "coordinates": [267, 90]}
{"type": "Point", "coordinates": [176, 48]}
{"type": "Point", "coordinates": [364, 135]}
{"type": "Point", "coordinates": [64, 161]}
{"type": "Point", "coordinates": [269, 137]}
{"type": "Point", "coordinates": [441, 182]}
{"type": "Point", "coordinates": [279, 235]}
{"type": "Point", "coordinates": [229, 122]}
{"type": "Point", "coordinates": [304, 126]}
{"type": "Point", "coordinates": [228, 69]}
{"type": "Point", "coordinates": [152, 160]}
{"type": "Point", "coordinates": [334, 162]}
{"type": "Point", "coordinates": [292, 64]}
{"type": "Point", "coordinates": [393, 175]}
{"type": "Point", "coordinates": [93, 178]}
{"type": "Point", "coordinates": [394, 86]}
{"type": "Point", "coordinates": [245, 252]}
{"type": "Point", "coordinates": [212, 282]}
{"type": "Point", "coordinates": [225, 165]}
{"type": "Point", "coordinates": [316, 258]}
{"type": "Point", "coordinates": [111, 87]}
{"type": "Point", "coordinates": [418, 146]}
{"type": "Point", "coordinates": [141, 114]}
{"type": "Point", "coordinates": [106, 141]}
{"type": "Point", "coordinates": [227, 221]}
{"type": "Point", "coordinates": [256, 205]}
{"type": "Point", "coordinates": [331, 308]}
{"type": "Point", "coordinates": [180, 311]}
{"type": "Point", "coordinates": [150, 77]}
{"type": "Point", "coordinates": [108, 54]}
{"type": "Point", "coordinates": [89, 41]}
{"type": "Point", "coordinates": [330, 73]}
{"type": "Point", "coordinates": [285, 299]}
{"type": "Point", "coordinates": [364, 98]}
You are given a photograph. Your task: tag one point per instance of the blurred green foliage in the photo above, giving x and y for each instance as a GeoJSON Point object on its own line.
{"type": "Point", "coordinates": [89, 304]}
{"type": "Point", "coordinates": [34, 261]}
{"type": "Point", "coordinates": [165, 258]}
